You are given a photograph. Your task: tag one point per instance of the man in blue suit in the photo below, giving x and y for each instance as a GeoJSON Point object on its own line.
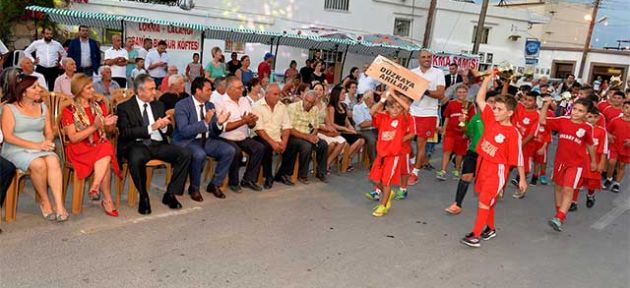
{"type": "Point", "coordinates": [197, 130]}
{"type": "Point", "coordinates": [85, 52]}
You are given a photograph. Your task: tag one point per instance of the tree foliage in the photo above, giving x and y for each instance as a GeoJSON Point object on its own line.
{"type": "Point", "coordinates": [12, 11]}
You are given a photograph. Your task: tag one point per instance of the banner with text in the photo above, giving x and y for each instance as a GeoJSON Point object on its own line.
{"type": "Point", "coordinates": [442, 60]}
{"type": "Point", "coordinates": [398, 77]}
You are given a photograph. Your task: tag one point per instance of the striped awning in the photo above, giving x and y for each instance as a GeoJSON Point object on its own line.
{"type": "Point", "coordinates": [241, 35]}
{"type": "Point", "coordinates": [74, 17]}
{"type": "Point", "coordinates": [139, 19]}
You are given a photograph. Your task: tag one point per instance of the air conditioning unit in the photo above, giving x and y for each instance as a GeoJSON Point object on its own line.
{"type": "Point", "coordinates": [514, 37]}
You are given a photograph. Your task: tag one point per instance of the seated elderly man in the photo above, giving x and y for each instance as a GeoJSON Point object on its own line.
{"type": "Point", "coordinates": [62, 83]}
{"type": "Point", "coordinates": [219, 90]}
{"type": "Point", "coordinates": [105, 85]}
{"type": "Point", "coordinates": [176, 91]}
{"type": "Point", "coordinates": [172, 70]}
{"type": "Point", "coordinates": [272, 129]}
{"type": "Point", "coordinates": [236, 134]}
{"type": "Point", "coordinates": [363, 121]}
{"type": "Point", "coordinates": [28, 68]}
{"type": "Point", "coordinates": [303, 140]}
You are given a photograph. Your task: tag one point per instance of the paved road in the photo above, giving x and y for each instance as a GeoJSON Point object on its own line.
{"type": "Point", "coordinates": [320, 236]}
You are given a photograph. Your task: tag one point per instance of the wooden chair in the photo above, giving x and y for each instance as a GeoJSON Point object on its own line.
{"type": "Point", "coordinates": [10, 202]}
{"type": "Point", "coordinates": [119, 96]}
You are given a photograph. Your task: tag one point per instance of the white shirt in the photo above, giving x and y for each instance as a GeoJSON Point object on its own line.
{"type": "Point", "coordinates": [40, 79]}
{"type": "Point", "coordinates": [154, 57]}
{"type": "Point", "coordinates": [48, 53]}
{"type": "Point", "coordinates": [155, 134]}
{"type": "Point", "coordinates": [216, 98]}
{"type": "Point", "coordinates": [63, 84]}
{"type": "Point", "coordinates": [366, 83]}
{"type": "Point", "coordinates": [135, 72]}
{"type": "Point", "coordinates": [201, 118]}
{"type": "Point", "coordinates": [427, 106]}
{"type": "Point", "coordinates": [142, 53]}
{"type": "Point", "coordinates": [86, 60]}
{"type": "Point", "coordinates": [360, 114]}
{"type": "Point", "coordinates": [1, 136]}
{"type": "Point", "coordinates": [236, 111]}
{"type": "Point", "coordinates": [117, 71]}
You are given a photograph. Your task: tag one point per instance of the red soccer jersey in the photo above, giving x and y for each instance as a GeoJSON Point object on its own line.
{"type": "Point", "coordinates": [543, 135]}
{"type": "Point", "coordinates": [391, 131]}
{"type": "Point", "coordinates": [620, 130]}
{"type": "Point", "coordinates": [601, 106]}
{"type": "Point", "coordinates": [406, 146]}
{"type": "Point", "coordinates": [499, 144]}
{"type": "Point", "coordinates": [452, 112]}
{"type": "Point", "coordinates": [526, 122]}
{"type": "Point", "coordinates": [600, 141]}
{"type": "Point", "coordinates": [611, 113]}
{"type": "Point", "coordinates": [572, 140]}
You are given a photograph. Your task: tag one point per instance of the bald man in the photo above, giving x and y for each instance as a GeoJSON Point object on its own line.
{"type": "Point", "coordinates": [116, 58]}
{"type": "Point", "coordinates": [28, 67]}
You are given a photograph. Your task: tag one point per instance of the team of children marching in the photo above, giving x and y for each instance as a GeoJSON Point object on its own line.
{"type": "Point", "coordinates": [501, 135]}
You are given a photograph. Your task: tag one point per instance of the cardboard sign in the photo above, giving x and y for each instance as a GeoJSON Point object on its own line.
{"type": "Point", "coordinates": [398, 77]}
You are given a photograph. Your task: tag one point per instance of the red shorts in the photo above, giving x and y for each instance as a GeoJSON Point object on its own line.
{"type": "Point", "coordinates": [425, 126]}
{"type": "Point", "coordinates": [489, 180]}
{"type": "Point", "coordinates": [567, 176]}
{"type": "Point", "coordinates": [540, 159]}
{"type": "Point", "coordinates": [614, 155]}
{"type": "Point", "coordinates": [386, 170]}
{"type": "Point", "coordinates": [592, 184]}
{"type": "Point", "coordinates": [456, 145]}
{"type": "Point", "coordinates": [403, 165]}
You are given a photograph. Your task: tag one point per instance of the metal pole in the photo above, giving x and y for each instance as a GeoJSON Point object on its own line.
{"type": "Point", "coordinates": [587, 44]}
{"type": "Point", "coordinates": [343, 62]}
{"type": "Point", "coordinates": [480, 26]}
{"type": "Point", "coordinates": [203, 38]}
{"type": "Point", "coordinates": [426, 42]}
{"type": "Point", "coordinates": [409, 59]}
{"type": "Point", "coordinates": [275, 55]}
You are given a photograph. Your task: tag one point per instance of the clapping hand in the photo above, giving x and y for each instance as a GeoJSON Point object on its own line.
{"type": "Point", "coordinates": [111, 120]}
{"type": "Point", "coordinates": [209, 115]}
{"type": "Point", "coordinates": [223, 117]}
{"type": "Point", "coordinates": [98, 123]}
{"type": "Point", "coordinates": [160, 123]}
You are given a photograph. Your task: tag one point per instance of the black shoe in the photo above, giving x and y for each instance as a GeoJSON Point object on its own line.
{"type": "Point", "coordinates": [286, 180]}
{"type": "Point", "coordinates": [251, 185]}
{"type": "Point", "coordinates": [235, 188]}
{"type": "Point", "coordinates": [170, 201]}
{"type": "Point", "coordinates": [606, 184]}
{"type": "Point", "coordinates": [573, 207]}
{"type": "Point", "coordinates": [215, 190]}
{"type": "Point", "coordinates": [428, 166]}
{"type": "Point", "coordinates": [268, 183]}
{"type": "Point", "coordinates": [304, 180]}
{"type": "Point", "coordinates": [488, 234]}
{"type": "Point", "coordinates": [196, 196]}
{"type": "Point", "coordinates": [471, 241]}
{"type": "Point", "coordinates": [615, 187]}
{"type": "Point", "coordinates": [144, 206]}
{"type": "Point", "coordinates": [515, 181]}
{"type": "Point", "coordinates": [534, 181]}
{"type": "Point", "coordinates": [590, 201]}
{"type": "Point", "coordinates": [322, 177]}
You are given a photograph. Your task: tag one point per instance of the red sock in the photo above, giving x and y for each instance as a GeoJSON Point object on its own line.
{"type": "Point", "coordinates": [576, 195]}
{"type": "Point", "coordinates": [490, 221]}
{"type": "Point", "coordinates": [542, 171]}
{"type": "Point", "coordinates": [591, 192]}
{"type": "Point", "coordinates": [482, 217]}
{"type": "Point", "coordinates": [561, 215]}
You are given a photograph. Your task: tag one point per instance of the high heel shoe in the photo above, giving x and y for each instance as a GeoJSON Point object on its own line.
{"type": "Point", "coordinates": [94, 195]}
{"type": "Point", "coordinates": [62, 217]}
{"type": "Point", "coordinates": [113, 213]}
{"type": "Point", "coordinates": [50, 216]}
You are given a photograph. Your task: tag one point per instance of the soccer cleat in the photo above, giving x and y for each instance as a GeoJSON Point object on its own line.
{"type": "Point", "coordinates": [373, 195]}
{"type": "Point", "coordinates": [573, 207]}
{"type": "Point", "coordinates": [440, 175]}
{"type": "Point", "coordinates": [590, 201]}
{"type": "Point", "coordinates": [615, 187]}
{"type": "Point", "coordinates": [400, 194]}
{"type": "Point", "coordinates": [556, 224]}
{"type": "Point", "coordinates": [515, 181]}
{"type": "Point", "coordinates": [453, 209]}
{"type": "Point", "coordinates": [413, 179]}
{"type": "Point", "coordinates": [488, 234]}
{"type": "Point", "coordinates": [379, 210]}
{"type": "Point", "coordinates": [456, 174]}
{"type": "Point", "coordinates": [543, 180]}
{"type": "Point", "coordinates": [388, 204]}
{"type": "Point", "coordinates": [607, 184]}
{"type": "Point", "coordinates": [534, 181]}
{"type": "Point", "coordinates": [471, 241]}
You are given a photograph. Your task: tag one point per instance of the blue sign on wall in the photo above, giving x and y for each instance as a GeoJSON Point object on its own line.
{"type": "Point", "coordinates": [532, 47]}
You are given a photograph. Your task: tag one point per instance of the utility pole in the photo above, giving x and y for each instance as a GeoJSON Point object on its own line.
{"type": "Point", "coordinates": [427, 31]}
{"type": "Point", "coordinates": [587, 44]}
{"type": "Point", "coordinates": [480, 26]}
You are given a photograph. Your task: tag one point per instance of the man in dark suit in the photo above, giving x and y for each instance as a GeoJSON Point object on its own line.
{"type": "Point", "coordinates": [143, 127]}
{"type": "Point", "coordinates": [85, 52]}
{"type": "Point", "coordinates": [452, 77]}
{"type": "Point", "coordinates": [198, 129]}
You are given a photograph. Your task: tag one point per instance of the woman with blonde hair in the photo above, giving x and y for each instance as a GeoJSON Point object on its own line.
{"type": "Point", "coordinates": [216, 68]}
{"type": "Point", "coordinates": [86, 122]}
{"type": "Point", "coordinates": [28, 143]}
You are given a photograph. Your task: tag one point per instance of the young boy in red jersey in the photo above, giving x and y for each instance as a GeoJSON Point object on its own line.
{"type": "Point", "coordinates": [619, 137]}
{"type": "Point", "coordinates": [404, 164]}
{"type": "Point", "coordinates": [542, 138]}
{"type": "Point", "coordinates": [575, 138]}
{"type": "Point", "coordinates": [614, 108]}
{"type": "Point", "coordinates": [592, 179]}
{"type": "Point", "coordinates": [498, 149]}
{"type": "Point", "coordinates": [526, 121]}
{"type": "Point", "coordinates": [392, 127]}
{"type": "Point", "coordinates": [454, 140]}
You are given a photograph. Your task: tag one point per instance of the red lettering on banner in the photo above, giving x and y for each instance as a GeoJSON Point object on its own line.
{"type": "Point", "coordinates": [149, 27]}
{"type": "Point", "coordinates": [183, 31]}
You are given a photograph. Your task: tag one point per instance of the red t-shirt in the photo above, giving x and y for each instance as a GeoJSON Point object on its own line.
{"type": "Point", "coordinates": [611, 113]}
{"type": "Point", "coordinates": [452, 112]}
{"type": "Point", "coordinates": [543, 135]}
{"type": "Point", "coordinates": [499, 144]}
{"type": "Point", "coordinates": [572, 140]}
{"type": "Point", "coordinates": [601, 106]}
{"type": "Point", "coordinates": [406, 146]}
{"type": "Point", "coordinates": [391, 131]}
{"type": "Point", "coordinates": [620, 129]}
{"type": "Point", "coordinates": [264, 69]}
{"type": "Point", "coordinates": [526, 122]}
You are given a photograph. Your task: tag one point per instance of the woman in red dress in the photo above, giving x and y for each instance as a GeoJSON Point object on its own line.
{"type": "Point", "coordinates": [85, 122]}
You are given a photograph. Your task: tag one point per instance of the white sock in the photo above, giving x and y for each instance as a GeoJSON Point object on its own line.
{"type": "Point", "coordinates": [415, 171]}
